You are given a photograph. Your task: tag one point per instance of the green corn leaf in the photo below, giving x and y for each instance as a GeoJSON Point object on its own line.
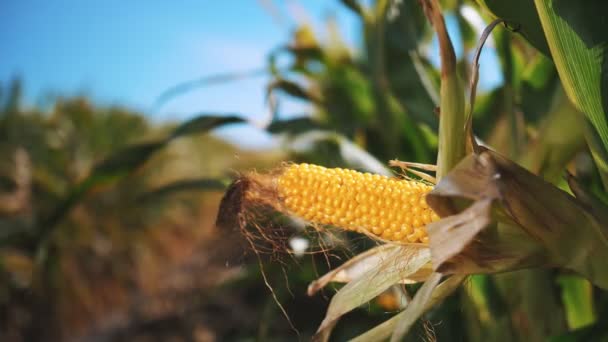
{"type": "Point", "coordinates": [124, 162]}
{"type": "Point", "coordinates": [205, 81]}
{"type": "Point", "coordinates": [294, 126]}
{"type": "Point", "coordinates": [204, 122]}
{"type": "Point", "coordinates": [573, 34]}
{"type": "Point", "coordinates": [107, 171]}
{"type": "Point", "coordinates": [201, 184]}
{"type": "Point", "coordinates": [577, 38]}
{"type": "Point", "coordinates": [409, 80]}
{"type": "Point", "coordinates": [292, 88]}
{"type": "Point", "coordinates": [521, 16]}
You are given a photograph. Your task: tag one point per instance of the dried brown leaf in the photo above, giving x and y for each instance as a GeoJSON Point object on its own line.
{"type": "Point", "coordinates": [557, 228]}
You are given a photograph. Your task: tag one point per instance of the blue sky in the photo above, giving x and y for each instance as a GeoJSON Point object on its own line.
{"type": "Point", "coordinates": [129, 52]}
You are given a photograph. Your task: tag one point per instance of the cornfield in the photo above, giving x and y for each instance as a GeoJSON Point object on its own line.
{"type": "Point", "coordinates": [408, 203]}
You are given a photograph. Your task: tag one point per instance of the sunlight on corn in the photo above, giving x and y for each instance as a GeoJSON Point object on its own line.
{"type": "Point", "coordinates": [390, 208]}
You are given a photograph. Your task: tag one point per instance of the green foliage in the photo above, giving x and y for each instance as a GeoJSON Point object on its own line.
{"type": "Point", "coordinates": [84, 185]}
{"type": "Point", "coordinates": [521, 15]}
{"type": "Point", "coordinates": [573, 35]}
{"type": "Point", "coordinates": [80, 178]}
{"type": "Point", "coordinates": [529, 118]}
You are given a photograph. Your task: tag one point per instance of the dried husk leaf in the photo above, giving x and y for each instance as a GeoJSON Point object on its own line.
{"type": "Point", "coordinates": [357, 266]}
{"type": "Point", "coordinates": [558, 229]}
{"type": "Point", "coordinates": [399, 264]}
{"type": "Point", "coordinates": [489, 246]}
{"type": "Point", "coordinates": [415, 309]}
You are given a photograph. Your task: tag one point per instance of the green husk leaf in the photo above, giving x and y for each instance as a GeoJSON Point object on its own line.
{"type": "Point", "coordinates": [452, 109]}
{"type": "Point", "coordinates": [392, 269]}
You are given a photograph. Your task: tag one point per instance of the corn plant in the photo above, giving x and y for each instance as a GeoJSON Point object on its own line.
{"type": "Point", "coordinates": [524, 248]}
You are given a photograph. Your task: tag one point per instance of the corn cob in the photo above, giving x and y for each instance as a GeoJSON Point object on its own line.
{"type": "Point", "coordinates": [390, 208]}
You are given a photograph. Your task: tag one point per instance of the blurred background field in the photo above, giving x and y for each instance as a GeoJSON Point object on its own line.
{"type": "Point", "coordinates": [122, 123]}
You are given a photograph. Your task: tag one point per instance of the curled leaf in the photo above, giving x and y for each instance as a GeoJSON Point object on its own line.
{"type": "Point", "coordinates": [536, 223]}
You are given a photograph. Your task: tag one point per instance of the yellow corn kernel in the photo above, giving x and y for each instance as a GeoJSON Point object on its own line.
{"type": "Point", "coordinates": [390, 208]}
